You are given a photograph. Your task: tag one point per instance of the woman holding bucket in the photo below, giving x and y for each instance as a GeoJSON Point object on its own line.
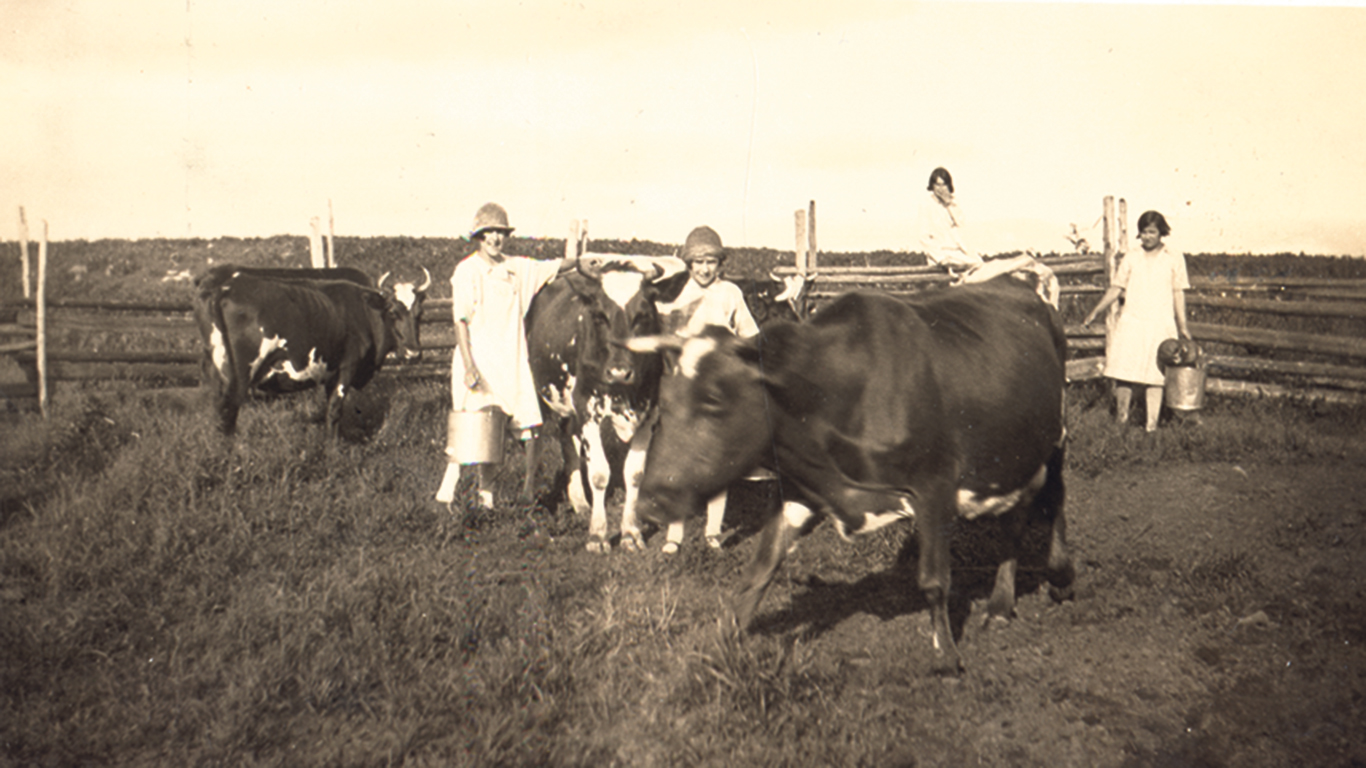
{"type": "Point", "coordinates": [1152, 281]}
{"type": "Point", "coordinates": [490, 373]}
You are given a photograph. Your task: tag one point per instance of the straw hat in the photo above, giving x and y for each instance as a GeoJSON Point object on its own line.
{"type": "Point", "coordinates": [490, 216]}
{"type": "Point", "coordinates": [703, 241]}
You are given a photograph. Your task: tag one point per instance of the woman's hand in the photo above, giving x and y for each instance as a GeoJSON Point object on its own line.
{"type": "Point", "coordinates": [472, 378]}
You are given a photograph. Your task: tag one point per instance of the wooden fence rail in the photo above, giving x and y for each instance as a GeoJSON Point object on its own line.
{"type": "Point", "coordinates": [1242, 357]}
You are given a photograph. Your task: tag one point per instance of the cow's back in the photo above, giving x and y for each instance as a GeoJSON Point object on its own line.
{"type": "Point", "coordinates": [965, 374]}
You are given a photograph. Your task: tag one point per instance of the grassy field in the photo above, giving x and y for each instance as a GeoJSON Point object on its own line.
{"type": "Point", "coordinates": [171, 598]}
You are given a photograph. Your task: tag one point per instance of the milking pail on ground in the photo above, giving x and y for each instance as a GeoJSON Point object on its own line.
{"type": "Point", "coordinates": [475, 437]}
{"type": "Point", "coordinates": [1185, 386]}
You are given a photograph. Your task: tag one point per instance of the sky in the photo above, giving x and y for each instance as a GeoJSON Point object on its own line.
{"type": "Point", "coordinates": [1244, 124]}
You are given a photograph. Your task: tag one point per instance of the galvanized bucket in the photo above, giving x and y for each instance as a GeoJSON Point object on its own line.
{"type": "Point", "coordinates": [1185, 387]}
{"type": "Point", "coordinates": [475, 437]}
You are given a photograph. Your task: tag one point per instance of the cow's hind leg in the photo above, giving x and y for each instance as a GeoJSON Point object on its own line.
{"type": "Point", "coordinates": [774, 542]}
{"type": "Point", "coordinates": [1001, 604]}
{"type": "Point", "coordinates": [934, 531]}
{"type": "Point", "coordinates": [1050, 504]}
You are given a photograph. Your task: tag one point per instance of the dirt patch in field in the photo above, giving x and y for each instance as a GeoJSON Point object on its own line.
{"type": "Point", "coordinates": [1217, 622]}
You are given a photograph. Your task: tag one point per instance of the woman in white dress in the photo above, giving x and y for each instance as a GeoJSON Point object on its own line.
{"type": "Point", "coordinates": [1152, 281]}
{"type": "Point", "coordinates": [490, 293]}
{"type": "Point", "coordinates": [940, 224]}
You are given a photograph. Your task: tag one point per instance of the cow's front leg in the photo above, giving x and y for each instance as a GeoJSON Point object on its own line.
{"type": "Point", "coordinates": [633, 471]}
{"type": "Point", "coordinates": [599, 471]}
{"type": "Point", "coordinates": [774, 543]}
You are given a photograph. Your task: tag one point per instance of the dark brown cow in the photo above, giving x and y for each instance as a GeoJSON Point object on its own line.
{"type": "Point", "coordinates": [877, 410]}
{"type": "Point", "coordinates": [284, 335]}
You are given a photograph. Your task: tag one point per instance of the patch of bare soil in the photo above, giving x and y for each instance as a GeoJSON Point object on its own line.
{"type": "Point", "coordinates": [1218, 622]}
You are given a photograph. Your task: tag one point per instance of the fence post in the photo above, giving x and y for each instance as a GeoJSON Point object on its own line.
{"type": "Point", "coordinates": [23, 253]}
{"type": "Point", "coordinates": [40, 322]}
{"type": "Point", "coordinates": [811, 237]}
{"type": "Point", "coordinates": [1123, 245]}
{"type": "Point", "coordinates": [331, 232]}
{"type": "Point", "coordinates": [571, 243]}
{"type": "Point", "coordinates": [315, 245]}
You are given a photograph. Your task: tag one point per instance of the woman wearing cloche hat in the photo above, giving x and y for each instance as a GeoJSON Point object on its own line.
{"type": "Point", "coordinates": [490, 294]}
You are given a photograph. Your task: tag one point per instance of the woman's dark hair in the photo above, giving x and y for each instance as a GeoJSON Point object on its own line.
{"type": "Point", "coordinates": [940, 173]}
{"type": "Point", "coordinates": [1153, 217]}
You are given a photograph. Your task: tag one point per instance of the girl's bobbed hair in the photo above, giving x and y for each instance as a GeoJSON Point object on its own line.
{"type": "Point", "coordinates": [940, 173]}
{"type": "Point", "coordinates": [1153, 217]}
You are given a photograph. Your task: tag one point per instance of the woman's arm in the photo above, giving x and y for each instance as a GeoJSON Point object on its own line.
{"type": "Point", "coordinates": [1112, 295]}
{"type": "Point", "coordinates": [1179, 301]}
{"type": "Point", "coordinates": [462, 343]}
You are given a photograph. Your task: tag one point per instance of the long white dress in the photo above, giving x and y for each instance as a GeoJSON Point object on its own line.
{"type": "Point", "coordinates": [493, 299]}
{"type": "Point", "coordinates": [1149, 314]}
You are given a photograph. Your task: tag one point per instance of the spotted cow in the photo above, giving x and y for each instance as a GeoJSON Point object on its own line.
{"type": "Point", "coordinates": [279, 334]}
{"type": "Point", "coordinates": [600, 394]}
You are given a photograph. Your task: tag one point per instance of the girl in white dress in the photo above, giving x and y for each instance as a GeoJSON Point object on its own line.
{"type": "Point", "coordinates": [707, 299]}
{"type": "Point", "coordinates": [1152, 281]}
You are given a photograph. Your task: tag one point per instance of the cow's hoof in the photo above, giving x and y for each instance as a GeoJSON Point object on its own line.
{"type": "Point", "coordinates": [632, 543]}
{"type": "Point", "coordinates": [1060, 594]}
{"type": "Point", "coordinates": [714, 542]}
{"type": "Point", "coordinates": [598, 546]}
{"type": "Point", "coordinates": [946, 665]}
{"type": "Point", "coordinates": [670, 548]}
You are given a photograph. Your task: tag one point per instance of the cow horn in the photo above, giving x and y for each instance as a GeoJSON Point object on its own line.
{"type": "Point", "coordinates": [428, 283]}
{"type": "Point", "coordinates": [654, 343]}
{"type": "Point", "coordinates": [382, 277]}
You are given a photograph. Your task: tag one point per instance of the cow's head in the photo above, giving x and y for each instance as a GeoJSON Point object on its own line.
{"type": "Point", "coordinates": [618, 305]}
{"type": "Point", "coordinates": [404, 303]}
{"type": "Point", "coordinates": [716, 416]}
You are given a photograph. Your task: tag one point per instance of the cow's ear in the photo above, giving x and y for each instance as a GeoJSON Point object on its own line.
{"type": "Point", "coordinates": [776, 351]}
{"type": "Point", "coordinates": [667, 288]}
{"type": "Point", "coordinates": [375, 300]}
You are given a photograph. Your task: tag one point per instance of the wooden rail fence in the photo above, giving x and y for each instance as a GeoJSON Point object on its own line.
{"type": "Point", "coordinates": [1243, 360]}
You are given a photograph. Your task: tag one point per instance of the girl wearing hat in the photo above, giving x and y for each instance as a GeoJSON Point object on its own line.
{"type": "Point", "coordinates": [490, 293]}
{"type": "Point", "coordinates": [705, 300]}
{"type": "Point", "coordinates": [1152, 281]}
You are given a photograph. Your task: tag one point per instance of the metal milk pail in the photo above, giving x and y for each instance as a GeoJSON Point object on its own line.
{"type": "Point", "coordinates": [475, 437]}
{"type": "Point", "coordinates": [1185, 387]}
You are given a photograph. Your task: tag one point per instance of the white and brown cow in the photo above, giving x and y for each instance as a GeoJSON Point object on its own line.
{"type": "Point", "coordinates": [601, 394]}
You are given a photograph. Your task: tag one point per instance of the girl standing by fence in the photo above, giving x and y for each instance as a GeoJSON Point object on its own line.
{"type": "Point", "coordinates": [1153, 282]}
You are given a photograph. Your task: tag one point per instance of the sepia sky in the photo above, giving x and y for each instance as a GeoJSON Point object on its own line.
{"type": "Point", "coordinates": [1244, 124]}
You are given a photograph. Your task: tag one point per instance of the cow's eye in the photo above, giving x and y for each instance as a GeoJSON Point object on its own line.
{"type": "Point", "coordinates": [712, 402]}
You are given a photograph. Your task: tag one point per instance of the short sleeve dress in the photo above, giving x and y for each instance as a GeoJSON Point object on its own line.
{"type": "Point", "coordinates": [721, 303]}
{"type": "Point", "coordinates": [493, 299]}
{"type": "Point", "coordinates": [1149, 314]}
